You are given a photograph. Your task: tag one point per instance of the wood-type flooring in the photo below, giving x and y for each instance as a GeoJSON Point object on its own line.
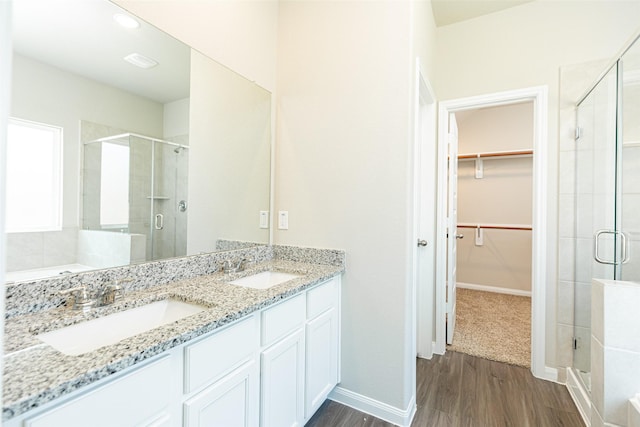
{"type": "Point", "coordinates": [457, 389]}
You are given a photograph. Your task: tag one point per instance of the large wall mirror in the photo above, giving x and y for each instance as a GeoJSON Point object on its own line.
{"type": "Point", "coordinates": [126, 145]}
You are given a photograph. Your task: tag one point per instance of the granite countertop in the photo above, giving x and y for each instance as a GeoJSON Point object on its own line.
{"type": "Point", "coordinates": [35, 373]}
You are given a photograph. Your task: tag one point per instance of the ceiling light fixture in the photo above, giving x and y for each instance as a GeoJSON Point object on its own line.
{"type": "Point", "coordinates": [141, 61]}
{"type": "Point", "coordinates": [126, 21]}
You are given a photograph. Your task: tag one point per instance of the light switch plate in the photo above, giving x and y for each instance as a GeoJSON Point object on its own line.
{"type": "Point", "coordinates": [283, 220]}
{"type": "Point", "coordinates": [264, 219]}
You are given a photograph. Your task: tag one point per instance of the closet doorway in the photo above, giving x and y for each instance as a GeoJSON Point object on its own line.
{"type": "Point", "coordinates": [497, 242]}
{"type": "Point", "coordinates": [493, 237]}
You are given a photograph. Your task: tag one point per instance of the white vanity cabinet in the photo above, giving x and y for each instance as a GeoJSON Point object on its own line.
{"type": "Point", "coordinates": [273, 368]}
{"type": "Point", "coordinates": [300, 360]}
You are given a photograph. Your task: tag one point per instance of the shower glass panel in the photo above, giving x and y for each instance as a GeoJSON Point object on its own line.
{"type": "Point", "coordinates": [630, 171]}
{"type": "Point", "coordinates": [595, 212]}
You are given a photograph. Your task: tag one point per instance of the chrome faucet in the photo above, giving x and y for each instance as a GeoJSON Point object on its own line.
{"type": "Point", "coordinates": [230, 266]}
{"type": "Point", "coordinates": [81, 300]}
{"type": "Point", "coordinates": [112, 292]}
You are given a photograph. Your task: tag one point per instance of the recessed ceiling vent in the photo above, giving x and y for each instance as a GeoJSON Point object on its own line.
{"type": "Point", "coordinates": [126, 21]}
{"type": "Point", "coordinates": [140, 60]}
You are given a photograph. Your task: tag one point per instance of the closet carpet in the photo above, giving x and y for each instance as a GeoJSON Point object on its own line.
{"type": "Point", "coordinates": [493, 326]}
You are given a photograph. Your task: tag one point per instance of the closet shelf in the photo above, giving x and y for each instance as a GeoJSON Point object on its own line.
{"type": "Point", "coordinates": [512, 153]}
{"type": "Point", "coordinates": [497, 226]}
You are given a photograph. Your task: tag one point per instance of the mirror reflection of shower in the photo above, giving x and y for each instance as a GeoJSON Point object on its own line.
{"type": "Point", "coordinates": [134, 197]}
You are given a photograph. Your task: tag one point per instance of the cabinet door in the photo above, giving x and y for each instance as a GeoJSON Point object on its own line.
{"type": "Point", "coordinates": [321, 360]}
{"type": "Point", "coordinates": [230, 402]}
{"type": "Point", "coordinates": [282, 389]}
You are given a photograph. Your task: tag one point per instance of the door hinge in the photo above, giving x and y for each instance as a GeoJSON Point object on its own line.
{"type": "Point", "coordinates": [578, 133]}
{"type": "Point", "coordinates": [575, 343]}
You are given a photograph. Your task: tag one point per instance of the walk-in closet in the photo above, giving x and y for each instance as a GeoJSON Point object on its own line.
{"type": "Point", "coordinates": [494, 233]}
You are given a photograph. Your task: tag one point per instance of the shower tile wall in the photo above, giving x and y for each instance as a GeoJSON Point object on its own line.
{"type": "Point", "coordinates": [92, 158]}
{"type": "Point", "coordinates": [616, 350]}
{"type": "Point", "coordinates": [140, 189]}
{"type": "Point", "coordinates": [181, 193]}
{"type": "Point", "coordinates": [166, 165]}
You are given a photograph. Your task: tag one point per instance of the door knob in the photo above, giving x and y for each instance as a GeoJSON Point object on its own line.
{"type": "Point", "coordinates": [422, 242]}
{"type": "Point", "coordinates": [459, 236]}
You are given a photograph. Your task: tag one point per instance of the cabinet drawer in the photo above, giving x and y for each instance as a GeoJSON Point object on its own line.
{"type": "Point", "coordinates": [278, 321]}
{"type": "Point", "coordinates": [134, 399]}
{"type": "Point", "coordinates": [210, 358]}
{"type": "Point", "coordinates": [321, 298]}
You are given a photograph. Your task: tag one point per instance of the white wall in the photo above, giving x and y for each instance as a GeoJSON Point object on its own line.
{"type": "Point", "coordinates": [525, 46]}
{"type": "Point", "coordinates": [238, 34]}
{"type": "Point", "coordinates": [344, 169]}
{"type": "Point", "coordinates": [176, 119]}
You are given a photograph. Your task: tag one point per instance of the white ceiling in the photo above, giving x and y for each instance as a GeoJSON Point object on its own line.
{"type": "Point", "coordinates": [447, 12]}
{"type": "Point", "coordinates": [81, 36]}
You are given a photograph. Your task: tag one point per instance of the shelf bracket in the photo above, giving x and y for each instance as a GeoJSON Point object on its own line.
{"type": "Point", "coordinates": [479, 168]}
{"type": "Point", "coordinates": [479, 236]}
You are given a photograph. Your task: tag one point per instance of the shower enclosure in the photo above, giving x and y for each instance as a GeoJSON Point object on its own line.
{"type": "Point", "coordinates": [607, 192]}
{"type": "Point", "coordinates": [137, 185]}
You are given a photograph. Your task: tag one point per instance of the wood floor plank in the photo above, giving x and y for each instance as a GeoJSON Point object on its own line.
{"type": "Point", "coordinates": [459, 390]}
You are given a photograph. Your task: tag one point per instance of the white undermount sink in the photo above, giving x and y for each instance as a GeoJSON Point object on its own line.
{"type": "Point", "coordinates": [87, 336]}
{"type": "Point", "coordinates": [264, 280]}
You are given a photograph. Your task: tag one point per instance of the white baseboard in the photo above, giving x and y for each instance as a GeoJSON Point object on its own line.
{"type": "Point", "coordinates": [391, 414]}
{"type": "Point", "coordinates": [495, 289]}
{"type": "Point", "coordinates": [550, 374]}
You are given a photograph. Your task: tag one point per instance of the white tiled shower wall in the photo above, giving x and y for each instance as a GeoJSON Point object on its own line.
{"type": "Point", "coordinates": [615, 351]}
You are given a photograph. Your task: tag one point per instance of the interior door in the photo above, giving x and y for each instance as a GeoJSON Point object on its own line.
{"type": "Point", "coordinates": [452, 221]}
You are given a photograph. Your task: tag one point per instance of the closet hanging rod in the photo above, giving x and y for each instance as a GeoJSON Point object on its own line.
{"type": "Point", "coordinates": [511, 153]}
{"type": "Point", "coordinates": [497, 226]}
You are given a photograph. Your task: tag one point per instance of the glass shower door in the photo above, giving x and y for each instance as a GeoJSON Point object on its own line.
{"type": "Point", "coordinates": [595, 208]}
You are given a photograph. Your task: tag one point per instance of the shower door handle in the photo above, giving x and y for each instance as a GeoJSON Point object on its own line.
{"type": "Point", "coordinates": [159, 222]}
{"type": "Point", "coordinates": [623, 247]}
